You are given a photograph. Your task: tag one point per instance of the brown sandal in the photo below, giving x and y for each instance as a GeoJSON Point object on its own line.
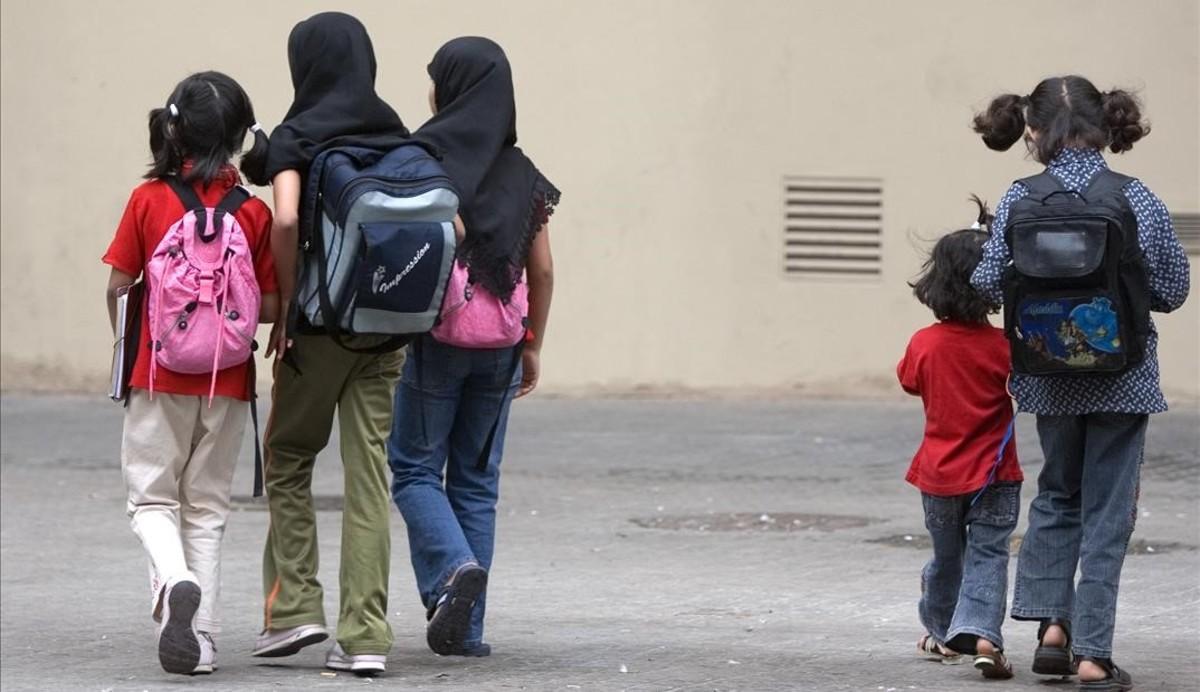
{"type": "Point", "coordinates": [994, 666]}
{"type": "Point", "coordinates": [931, 649]}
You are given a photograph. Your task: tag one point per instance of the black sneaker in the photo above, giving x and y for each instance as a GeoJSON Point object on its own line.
{"type": "Point", "coordinates": [450, 617]}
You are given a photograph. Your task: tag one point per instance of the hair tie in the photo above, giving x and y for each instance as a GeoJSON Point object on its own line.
{"type": "Point", "coordinates": [976, 226]}
{"type": "Point", "coordinates": [256, 128]}
{"type": "Point", "coordinates": [174, 111]}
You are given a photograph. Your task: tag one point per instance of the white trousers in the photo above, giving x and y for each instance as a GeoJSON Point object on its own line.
{"type": "Point", "coordinates": [178, 456]}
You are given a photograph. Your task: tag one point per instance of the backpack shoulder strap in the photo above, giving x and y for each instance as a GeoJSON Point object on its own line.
{"type": "Point", "coordinates": [310, 211]}
{"type": "Point", "coordinates": [1042, 185]}
{"type": "Point", "coordinates": [191, 202]}
{"type": "Point", "coordinates": [229, 204]}
{"type": "Point", "coordinates": [1105, 183]}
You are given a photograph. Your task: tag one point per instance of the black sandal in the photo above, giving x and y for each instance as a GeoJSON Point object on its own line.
{"type": "Point", "coordinates": [1054, 660]}
{"type": "Point", "coordinates": [1117, 680]}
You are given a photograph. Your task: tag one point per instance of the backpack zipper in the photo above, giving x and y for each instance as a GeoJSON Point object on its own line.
{"type": "Point", "coordinates": [412, 188]}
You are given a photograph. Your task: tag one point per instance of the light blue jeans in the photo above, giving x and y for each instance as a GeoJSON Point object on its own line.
{"type": "Point", "coordinates": [446, 404]}
{"type": "Point", "coordinates": [964, 587]}
{"type": "Point", "coordinates": [1083, 516]}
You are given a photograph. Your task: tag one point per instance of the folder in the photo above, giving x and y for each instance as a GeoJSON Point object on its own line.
{"type": "Point", "coordinates": [126, 339]}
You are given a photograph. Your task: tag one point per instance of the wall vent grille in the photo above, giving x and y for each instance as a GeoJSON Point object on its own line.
{"type": "Point", "coordinates": [832, 226]}
{"type": "Point", "coordinates": [1187, 227]}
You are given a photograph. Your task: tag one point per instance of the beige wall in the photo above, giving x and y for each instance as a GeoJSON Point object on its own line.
{"type": "Point", "coordinates": [668, 125]}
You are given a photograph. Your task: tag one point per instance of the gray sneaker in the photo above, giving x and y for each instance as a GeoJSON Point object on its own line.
{"type": "Point", "coordinates": [363, 665]}
{"type": "Point", "coordinates": [285, 642]}
{"type": "Point", "coordinates": [178, 643]}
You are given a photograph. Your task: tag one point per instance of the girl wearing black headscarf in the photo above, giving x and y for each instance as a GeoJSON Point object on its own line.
{"type": "Point", "coordinates": [452, 405]}
{"type": "Point", "coordinates": [333, 73]}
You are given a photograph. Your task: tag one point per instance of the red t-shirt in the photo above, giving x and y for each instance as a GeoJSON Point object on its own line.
{"type": "Point", "coordinates": [959, 371]}
{"type": "Point", "coordinates": [153, 208]}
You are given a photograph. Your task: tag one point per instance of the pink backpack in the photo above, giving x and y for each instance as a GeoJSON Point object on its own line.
{"type": "Point", "coordinates": [203, 293]}
{"type": "Point", "coordinates": [474, 318]}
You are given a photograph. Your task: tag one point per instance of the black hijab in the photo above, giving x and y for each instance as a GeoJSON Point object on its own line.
{"type": "Point", "coordinates": [333, 74]}
{"type": "Point", "coordinates": [503, 199]}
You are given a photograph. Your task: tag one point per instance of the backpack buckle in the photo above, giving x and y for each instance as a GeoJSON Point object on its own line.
{"type": "Point", "coordinates": [206, 290]}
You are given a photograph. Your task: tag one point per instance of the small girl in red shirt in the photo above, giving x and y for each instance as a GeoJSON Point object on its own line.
{"type": "Point", "coordinates": [966, 467]}
{"type": "Point", "coordinates": [183, 430]}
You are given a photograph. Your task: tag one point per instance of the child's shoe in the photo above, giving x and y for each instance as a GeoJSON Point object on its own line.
{"type": "Point", "coordinates": [1054, 659]}
{"type": "Point", "coordinates": [1117, 681]}
{"type": "Point", "coordinates": [208, 655]}
{"type": "Point", "coordinates": [178, 644]}
{"type": "Point", "coordinates": [930, 648]}
{"type": "Point", "coordinates": [994, 665]}
{"type": "Point", "coordinates": [362, 665]}
{"type": "Point", "coordinates": [450, 617]}
{"type": "Point", "coordinates": [480, 650]}
{"type": "Point", "coordinates": [285, 642]}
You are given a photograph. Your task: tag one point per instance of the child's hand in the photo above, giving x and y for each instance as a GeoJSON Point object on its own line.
{"type": "Point", "coordinates": [278, 343]}
{"type": "Point", "coordinates": [531, 367]}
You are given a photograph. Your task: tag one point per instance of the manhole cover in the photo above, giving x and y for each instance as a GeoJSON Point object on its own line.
{"type": "Point", "coordinates": [746, 521]}
{"type": "Point", "coordinates": [321, 503]}
{"type": "Point", "coordinates": [1137, 546]}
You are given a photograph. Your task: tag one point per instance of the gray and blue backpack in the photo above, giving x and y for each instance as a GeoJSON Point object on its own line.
{"type": "Point", "coordinates": [378, 243]}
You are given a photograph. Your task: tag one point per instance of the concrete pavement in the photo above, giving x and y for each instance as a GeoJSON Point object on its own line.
{"type": "Point", "coordinates": [643, 545]}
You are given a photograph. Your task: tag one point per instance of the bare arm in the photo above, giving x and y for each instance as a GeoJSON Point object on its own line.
{"type": "Point", "coordinates": [541, 286]}
{"type": "Point", "coordinates": [269, 310]}
{"type": "Point", "coordinates": [117, 279]}
{"type": "Point", "coordinates": [540, 270]}
{"type": "Point", "coordinates": [460, 231]}
{"type": "Point", "coordinates": [285, 234]}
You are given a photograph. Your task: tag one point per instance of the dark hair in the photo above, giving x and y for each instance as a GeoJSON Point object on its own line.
{"type": "Point", "coordinates": [207, 124]}
{"type": "Point", "coordinates": [1064, 112]}
{"type": "Point", "coordinates": [945, 282]}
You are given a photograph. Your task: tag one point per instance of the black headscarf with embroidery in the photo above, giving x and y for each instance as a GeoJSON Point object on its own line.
{"type": "Point", "coordinates": [335, 104]}
{"type": "Point", "coordinates": [503, 199]}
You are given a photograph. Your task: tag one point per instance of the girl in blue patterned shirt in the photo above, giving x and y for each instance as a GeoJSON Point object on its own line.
{"type": "Point", "coordinates": [1092, 427]}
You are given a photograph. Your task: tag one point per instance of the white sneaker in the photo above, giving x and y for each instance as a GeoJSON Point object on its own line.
{"type": "Point", "coordinates": [364, 665]}
{"type": "Point", "coordinates": [178, 644]}
{"type": "Point", "coordinates": [285, 642]}
{"type": "Point", "coordinates": [208, 655]}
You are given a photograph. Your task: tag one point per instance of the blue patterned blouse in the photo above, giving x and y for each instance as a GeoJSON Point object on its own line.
{"type": "Point", "coordinates": [1136, 390]}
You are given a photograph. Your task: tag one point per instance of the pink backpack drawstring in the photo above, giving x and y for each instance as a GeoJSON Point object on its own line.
{"type": "Point", "coordinates": [219, 307]}
{"type": "Point", "coordinates": [155, 330]}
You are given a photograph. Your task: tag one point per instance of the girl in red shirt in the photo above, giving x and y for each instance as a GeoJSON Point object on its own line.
{"type": "Point", "coordinates": [966, 467]}
{"type": "Point", "coordinates": [183, 434]}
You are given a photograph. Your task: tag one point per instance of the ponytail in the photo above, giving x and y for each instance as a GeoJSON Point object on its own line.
{"type": "Point", "coordinates": [984, 217]}
{"type": "Point", "coordinates": [164, 149]}
{"type": "Point", "coordinates": [1123, 120]}
{"type": "Point", "coordinates": [1003, 123]}
{"type": "Point", "coordinates": [254, 161]}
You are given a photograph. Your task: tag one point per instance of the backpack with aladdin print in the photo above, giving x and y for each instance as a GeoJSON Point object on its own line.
{"type": "Point", "coordinates": [1077, 298]}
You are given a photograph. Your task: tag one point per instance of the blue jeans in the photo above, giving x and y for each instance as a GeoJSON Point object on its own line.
{"type": "Point", "coordinates": [446, 404]}
{"type": "Point", "coordinates": [965, 585]}
{"type": "Point", "coordinates": [1083, 515]}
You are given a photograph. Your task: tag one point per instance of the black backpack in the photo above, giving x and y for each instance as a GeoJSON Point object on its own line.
{"type": "Point", "coordinates": [1076, 295]}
